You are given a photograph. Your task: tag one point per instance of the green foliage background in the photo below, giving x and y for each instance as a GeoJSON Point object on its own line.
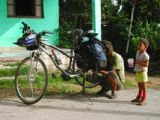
{"type": "Point", "coordinates": [115, 23]}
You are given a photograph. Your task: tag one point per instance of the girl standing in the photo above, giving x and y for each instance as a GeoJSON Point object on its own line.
{"type": "Point", "coordinates": [141, 69]}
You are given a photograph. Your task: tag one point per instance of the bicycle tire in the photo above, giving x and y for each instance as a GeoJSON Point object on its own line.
{"type": "Point", "coordinates": [19, 93]}
{"type": "Point", "coordinates": [81, 79]}
{"type": "Point", "coordinates": [87, 83]}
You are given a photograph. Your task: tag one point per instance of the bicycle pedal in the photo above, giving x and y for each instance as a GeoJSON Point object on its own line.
{"type": "Point", "coordinates": [54, 75]}
{"type": "Point", "coordinates": [65, 77]}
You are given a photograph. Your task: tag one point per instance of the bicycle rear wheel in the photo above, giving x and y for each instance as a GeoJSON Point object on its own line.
{"type": "Point", "coordinates": [89, 79]}
{"type": "Point", "coordinates": [31, 80]}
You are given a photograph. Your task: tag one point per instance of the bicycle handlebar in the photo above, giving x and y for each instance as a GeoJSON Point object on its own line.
{"type": "Point", "coordinates": [24, 24]}
{"type": "Point", "coordinates": [44, 32]}
{"type": "Point", "coordinates": [27, 29]}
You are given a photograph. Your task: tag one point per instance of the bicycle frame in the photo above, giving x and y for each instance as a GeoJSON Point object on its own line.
{"type": "Point", "coordinates": [53, 57]}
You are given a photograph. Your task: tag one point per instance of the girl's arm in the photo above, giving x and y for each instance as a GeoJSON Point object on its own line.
{"type": "Point", "coordinates": [143, 63]}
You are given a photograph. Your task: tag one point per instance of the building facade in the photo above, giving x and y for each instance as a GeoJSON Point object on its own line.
{"type": "Point", "coordinates": [39, 14]}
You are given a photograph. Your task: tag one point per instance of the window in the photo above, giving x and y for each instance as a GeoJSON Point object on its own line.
{"type": "Point", "coordinates": [25, 8]}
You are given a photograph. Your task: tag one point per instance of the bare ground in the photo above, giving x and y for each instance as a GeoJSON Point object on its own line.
{"type": "Point", "coordinates": [83, 108]}
{"type": "Point", "coordinates": [154, 82]}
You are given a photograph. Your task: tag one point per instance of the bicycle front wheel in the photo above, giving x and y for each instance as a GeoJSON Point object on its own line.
{"type": "Point", "coordinates": [31, 80]}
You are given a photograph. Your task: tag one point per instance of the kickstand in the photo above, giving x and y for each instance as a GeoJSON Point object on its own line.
{"type": "Point", "coordinates": [83, 91]}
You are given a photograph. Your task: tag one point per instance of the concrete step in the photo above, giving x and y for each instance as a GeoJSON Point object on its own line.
{"type": "Point", "coordinates": [7, 78]}
{"type": "Point", "coordinates": [11, 56]}
{"type": "Point", "coordinates": [2, 67]}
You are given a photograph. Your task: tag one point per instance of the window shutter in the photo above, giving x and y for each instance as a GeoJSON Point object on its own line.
{"type": "Point", "coordinates": [38, 8]}
{"type": "Point", "coordinates": [10, 9]}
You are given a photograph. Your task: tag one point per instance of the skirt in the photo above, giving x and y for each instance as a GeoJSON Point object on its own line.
{"type": "Point", "coordinates": [141, 76]}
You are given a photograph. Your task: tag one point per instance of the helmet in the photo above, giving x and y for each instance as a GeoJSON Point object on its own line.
{"type": "Point", "coordinates": [27, 40]}
{"type": "Point", "coordinates": [30, 40]}
{"type": "Point", "coordinates": [90, 33]}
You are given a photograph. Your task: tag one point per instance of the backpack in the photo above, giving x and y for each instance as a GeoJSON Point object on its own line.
{"type": "Point", "coordinates": [91, 55]}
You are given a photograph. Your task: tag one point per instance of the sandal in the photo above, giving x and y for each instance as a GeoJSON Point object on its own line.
{"type": "Point", "coordinates": [113, 96]}
{"type": "Point", "coordinates": [137, 99]}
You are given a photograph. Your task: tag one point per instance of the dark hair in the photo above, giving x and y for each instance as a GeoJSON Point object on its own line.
{"type": "Point", "coordinates": [108, 46]}
{"type": "Point", "coordinates": [145, 42]}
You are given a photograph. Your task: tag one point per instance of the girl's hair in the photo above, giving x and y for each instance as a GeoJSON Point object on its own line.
{"type": "Point", "coordinates": [145, 42]}
{"type": "Point", "coordinates": [108, 46]}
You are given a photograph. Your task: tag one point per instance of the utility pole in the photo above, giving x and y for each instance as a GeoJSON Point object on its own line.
{"type": "Point", "coordinates": [131, 24]}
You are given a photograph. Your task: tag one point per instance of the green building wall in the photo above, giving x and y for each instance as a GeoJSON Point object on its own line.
{"type": "Point", "coordinates": [10, 27]}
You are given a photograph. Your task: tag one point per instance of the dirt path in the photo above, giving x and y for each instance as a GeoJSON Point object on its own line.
{"type": "Point", "coordinates": [83, 108]}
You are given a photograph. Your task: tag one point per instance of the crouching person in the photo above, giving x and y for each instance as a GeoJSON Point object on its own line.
{"type": "Point", "coordinates": [114, 75]}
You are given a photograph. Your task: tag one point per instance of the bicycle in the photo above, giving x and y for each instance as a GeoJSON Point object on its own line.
{"type": "Point", "coordinates": [31, 77]}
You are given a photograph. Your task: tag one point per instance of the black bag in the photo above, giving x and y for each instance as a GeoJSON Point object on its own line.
{"type": "Point", "coordinates": [91, 55]}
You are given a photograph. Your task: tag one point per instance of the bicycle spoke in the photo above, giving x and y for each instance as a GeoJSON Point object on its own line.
{"type": "Point", "coordinates": [31, 80]}
{"type": "Point", "coordinates": [91, 79]}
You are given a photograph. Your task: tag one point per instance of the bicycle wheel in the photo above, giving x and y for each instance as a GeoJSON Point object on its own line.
{"type": "Point", "coordinates": [31, 80]}
{"type": "Point", "coordinates": [89, 79]}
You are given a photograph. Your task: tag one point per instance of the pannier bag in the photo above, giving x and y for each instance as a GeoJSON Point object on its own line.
{"type": "Point", "coordinates": [91, 54]}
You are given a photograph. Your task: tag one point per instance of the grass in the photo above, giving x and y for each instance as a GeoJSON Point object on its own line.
{"type": "Point", "coordinates": [7, 72]}
{"type": "Point", "coordinates": [58, 86]}
{"type": "Point", "coordinates": [55, 86]}
{"type": "Point", "coordinates": [129, 84]}
{"type": "Point", "coordinates": [6, 84]}
{"type": "Point", "coordinates": [12, 71]}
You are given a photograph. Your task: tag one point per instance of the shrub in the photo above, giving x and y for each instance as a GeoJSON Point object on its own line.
{"type": "Point", "coordinates": [64, 40]}
{"type": "Point", "coordinates": [151, 31]}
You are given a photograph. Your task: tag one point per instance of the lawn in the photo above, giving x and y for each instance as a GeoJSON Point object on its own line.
{"type": "Point", "coordinates": [56, 85]}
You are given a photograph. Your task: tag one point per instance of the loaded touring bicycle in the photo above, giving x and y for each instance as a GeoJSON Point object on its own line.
{"type": "Point", "coordinates": [31, 77]}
